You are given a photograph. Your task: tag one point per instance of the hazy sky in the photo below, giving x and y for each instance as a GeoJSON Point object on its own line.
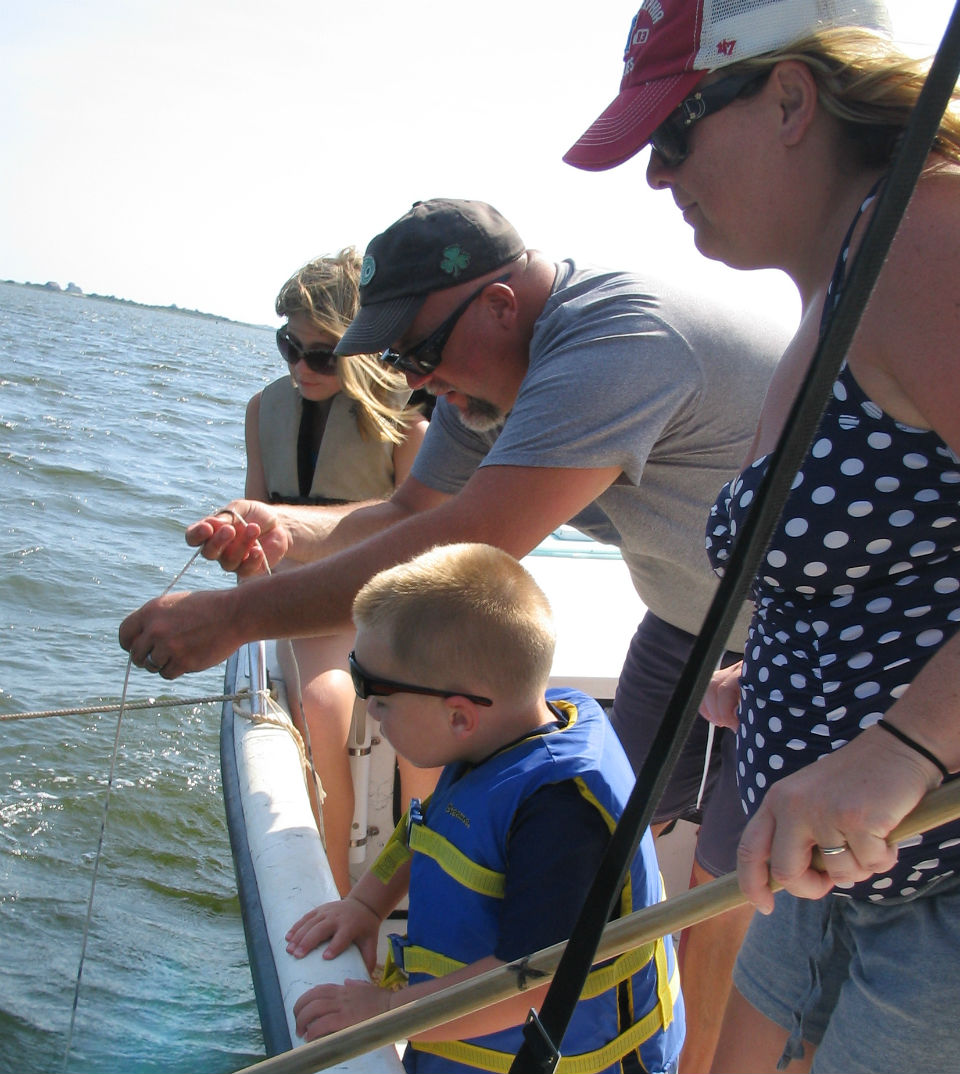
{"type": "Point", "coordinates": [198, 151]}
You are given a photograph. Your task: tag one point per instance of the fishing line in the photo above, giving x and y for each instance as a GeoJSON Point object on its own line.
{"type": "Point", "coordinates": [103, 828]}
{"type": "Point", "coordinates": [122, 707]}
{"type": "Point", "coordinates": [96, 869]}
{"type": "Point", "coordinates": [311, 774]}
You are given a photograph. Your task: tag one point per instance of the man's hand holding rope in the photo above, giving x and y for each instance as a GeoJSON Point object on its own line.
{"type": "Point", "coordinates": [245, 537]}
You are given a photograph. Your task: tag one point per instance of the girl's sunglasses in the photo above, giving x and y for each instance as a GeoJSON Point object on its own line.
{"type": "Point", "coordinates": [669, 140]}
{"type": "Point", "coordinates": [319, 359]}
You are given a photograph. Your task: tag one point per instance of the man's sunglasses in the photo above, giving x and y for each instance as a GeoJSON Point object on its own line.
{"type": "Point", "coordinates": [319, 359]}
{"type": "Point", "coordinates": [423, 358]}
{"type": "Point", "coordinates": [366, 686]}
{"type": "Point", "coordinates": [669, 140]}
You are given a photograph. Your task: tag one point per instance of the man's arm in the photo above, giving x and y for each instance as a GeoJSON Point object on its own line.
{"type": "Point", "coordinates": [245, 533]}
{"type": "Point", "coordinates": [345, 525]}
{"type": "Point", "coordinates": [512, 507]}
{"type": "Point", "coordinates": [411, 498]}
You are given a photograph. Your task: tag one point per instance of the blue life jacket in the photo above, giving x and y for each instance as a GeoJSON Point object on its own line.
{"type": "Point", "coordinates": [631, 1004]}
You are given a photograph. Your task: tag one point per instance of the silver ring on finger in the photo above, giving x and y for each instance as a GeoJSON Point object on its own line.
{"type": "Point", "coordinates": [830, 851]}
{"type": "Point", "coordinates": [149, 664]}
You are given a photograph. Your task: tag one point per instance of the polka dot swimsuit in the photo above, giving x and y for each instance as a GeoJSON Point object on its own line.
{"type": "Point", "coordinates": [859, 588]}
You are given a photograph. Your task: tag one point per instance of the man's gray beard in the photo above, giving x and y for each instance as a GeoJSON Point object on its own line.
{"type": "Point", "coordinates": [480, 416]}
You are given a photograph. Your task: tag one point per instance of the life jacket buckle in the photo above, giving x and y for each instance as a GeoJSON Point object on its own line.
{"type": "Point", "coordinates": [414, 816]}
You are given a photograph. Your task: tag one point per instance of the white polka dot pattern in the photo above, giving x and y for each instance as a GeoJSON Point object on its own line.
{"type": "Point", "coordinates": [860, 586]}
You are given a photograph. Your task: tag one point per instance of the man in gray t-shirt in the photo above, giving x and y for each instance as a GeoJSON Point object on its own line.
{"type": "Point", "coordinates": [634, 375]}
{"type": "Point", "coordinates": [640, 397]}
{"type": "Point", "coordinates": [562, 393]}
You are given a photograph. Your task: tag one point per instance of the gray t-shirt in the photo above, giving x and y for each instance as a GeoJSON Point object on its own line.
{"type": "Point", "coordinates": [632, 372]}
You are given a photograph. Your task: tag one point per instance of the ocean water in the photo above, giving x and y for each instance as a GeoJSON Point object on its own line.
{"type": "Point", "coordinates": [118, 426]}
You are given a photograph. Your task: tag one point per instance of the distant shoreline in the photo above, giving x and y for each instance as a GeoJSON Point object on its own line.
{"type": "Point", "coordinates": [76, 292]}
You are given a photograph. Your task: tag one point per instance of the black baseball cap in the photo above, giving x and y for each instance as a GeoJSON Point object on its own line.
{"type": "Point", "coordinates": [437, 244]}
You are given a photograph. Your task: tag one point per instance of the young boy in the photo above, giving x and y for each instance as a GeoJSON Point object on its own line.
{"type": "Point", "coordinates": [498, 860]}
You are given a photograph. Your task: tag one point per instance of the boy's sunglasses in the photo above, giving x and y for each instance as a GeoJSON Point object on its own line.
{"type": "Point", "coordinates": [366, 686]}
{"type": "Point", "coordinates": [669, 140]}
{"type": "Point", "coordinates": [319, 359]}
{"type": "Point", "coordinates": [423, 358]}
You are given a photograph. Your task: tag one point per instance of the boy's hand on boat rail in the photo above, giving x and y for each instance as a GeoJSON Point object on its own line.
{"type": "Point", "coordinates": [245, 537]}
{"type": "Point", "coordinates": [344, 922]}
{"type": "Point", "coordinates": [326, 1008]}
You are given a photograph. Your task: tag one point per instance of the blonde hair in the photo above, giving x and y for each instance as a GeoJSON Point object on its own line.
{"type": "Point", "coordinates": [869, 85]}
{"type": "Point", "coordinates": [464, 616]}
{"type": "Point", "coordinates": [326, 290]}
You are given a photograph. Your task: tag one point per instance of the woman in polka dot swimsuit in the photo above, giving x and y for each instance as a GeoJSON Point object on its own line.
{"type": "Point", "coordinates": [860, 585]}
{"type": "Point", "coordinates": [847, 704]}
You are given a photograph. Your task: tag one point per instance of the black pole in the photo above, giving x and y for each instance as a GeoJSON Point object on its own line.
{"type": "Point", "coordinates": [543, 1034]}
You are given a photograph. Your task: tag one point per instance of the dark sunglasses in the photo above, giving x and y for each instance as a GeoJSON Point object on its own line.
{"type": "Point", "coordinates": [424, 357]}
{"type": "Point", "coordinates": [669, 140]}
{"type": "Point", "coordinates": [366, 686]}
{"type": "Point", "coordinates": [319, 359]}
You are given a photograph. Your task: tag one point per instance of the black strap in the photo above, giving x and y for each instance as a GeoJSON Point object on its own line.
{"type": "Point", "coordinates": [313, 418]}
{"type": "Point", "coordinates": [915, 745]}
{"type": "Point", "coordinates": [745, 558]}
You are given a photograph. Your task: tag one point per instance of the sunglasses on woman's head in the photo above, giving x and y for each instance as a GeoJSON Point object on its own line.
{"type": "Point", "coordinates": [319, 359]}
{"type": "Point", "coordinates": [669, 140]}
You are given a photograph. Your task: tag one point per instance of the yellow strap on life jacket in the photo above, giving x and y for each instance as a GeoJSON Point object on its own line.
{"type": "Point", "coordinates": [659, 1017]}
{"type": "Point", "coordinates": [455, 863]}
{"type": "Point", "coordinates": [396, 850]}
{"type": "Point", "coordinates": [394, 853]}
{"type": "Point", "coordinates": [473, 1055]}
{"type": "Point", "coordinates": [418, 959]}
{"type": "Point", "coordinates": [620, 969]}
{"type": "Point", "coordinates": [668, 988]}
{"type": "Point", "coordinates": [393, 977]}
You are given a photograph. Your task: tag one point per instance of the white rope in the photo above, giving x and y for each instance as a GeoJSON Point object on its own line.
{"type": "Point", "coordinates": [306, 761]}
{"type": "Point", "coordinates": [711, 730]}
{"type": "Point", "coordinates": [96, 867]}
{"type": "Point", "coordinates": [145, 703]}
{"type": "Point", "coordinates": [103, 828]}
{"type": "Point", "coordinates": [708, 753]}
{"type": "Point", "coordinates": [275, 716]}
{"type": "Point", "coordinates": [305, 746]}
{"type": "Point", "coordinates": [310, 770]}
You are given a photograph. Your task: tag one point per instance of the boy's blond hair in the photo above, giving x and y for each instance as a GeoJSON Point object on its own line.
{"type": "Point", "coordinates": [464, 616]}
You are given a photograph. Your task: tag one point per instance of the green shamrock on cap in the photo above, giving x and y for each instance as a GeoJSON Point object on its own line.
{"type": "Point", "coordinates": [455, 260]}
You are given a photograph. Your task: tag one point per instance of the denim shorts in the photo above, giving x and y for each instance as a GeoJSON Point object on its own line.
{"type": "Point", "coordinates": [650, 672]}
{"type": "Point", "coordinates": [874, 986]}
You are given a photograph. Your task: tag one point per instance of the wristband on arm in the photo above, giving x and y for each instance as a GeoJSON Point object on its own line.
{"type": "Point", "coordinates": [908, 741]}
